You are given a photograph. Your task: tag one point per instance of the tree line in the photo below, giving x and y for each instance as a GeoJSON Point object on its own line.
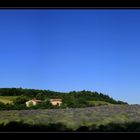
{"type": "Point", "coordinates": [60, 127]}
{"type": "Point", "coordinates": [72, 99]}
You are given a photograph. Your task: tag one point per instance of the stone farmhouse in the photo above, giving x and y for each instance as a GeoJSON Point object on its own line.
{"type": "Point", "coordinates": [32, 102]}
{"type": "Point", "coordinates": [56, 101]}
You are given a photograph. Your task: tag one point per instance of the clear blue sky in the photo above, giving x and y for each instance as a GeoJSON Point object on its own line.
{"type": "Point", "coordinates": [65, 50]}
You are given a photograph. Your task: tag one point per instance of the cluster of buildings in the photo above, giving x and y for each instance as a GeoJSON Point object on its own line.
{"type": "Point", "coordinates": [35, 102]}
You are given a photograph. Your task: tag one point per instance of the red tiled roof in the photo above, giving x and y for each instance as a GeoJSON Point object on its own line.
{"type": "Point", "coordinates": [36, 100]}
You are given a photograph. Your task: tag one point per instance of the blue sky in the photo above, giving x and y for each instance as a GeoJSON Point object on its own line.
{"type": "Point", "coordinates": [65, 50]}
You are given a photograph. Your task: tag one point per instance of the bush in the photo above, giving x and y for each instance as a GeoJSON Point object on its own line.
{"type": "Point", "coordinates": [21, 126]}
{"type": "Point", "coordinates": [21, 99]}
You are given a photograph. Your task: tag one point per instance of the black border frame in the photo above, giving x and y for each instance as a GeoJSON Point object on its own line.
{"type": "Point", "coordinates": [59, 4]}
{"type": "Point", "coordinates": [69, 4]}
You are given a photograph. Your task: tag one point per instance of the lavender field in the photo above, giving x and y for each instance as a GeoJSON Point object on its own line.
{"type": "Point", "coordinates": [74, 118]}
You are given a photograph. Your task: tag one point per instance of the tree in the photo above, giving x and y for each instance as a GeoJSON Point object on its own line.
{"type": "Point", "coordinates": [40, 96]}
{"type": "Point", "coordinates": [21, 99]}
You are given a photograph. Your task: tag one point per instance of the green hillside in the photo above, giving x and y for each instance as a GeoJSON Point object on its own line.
{"type": "Point", "coordinates": [7, 99]}
{"type": "Point", "coordinates": [15, 98]}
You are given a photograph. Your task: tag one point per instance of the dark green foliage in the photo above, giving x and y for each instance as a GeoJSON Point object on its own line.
{"type": "Point", "coordinates": [21, 126]}
{"type": "Point", "coordinates": [2, 106]}
{"type": "Point", "coordinates": [83, 129]}
{"type": "Point", "coordinates": [112, 127]}
{"type": "Point", "coordinates": [21, 99]}
{"type": "Point", "coordinates": [40, 96]}
{"type": "Point", "coordinates": [60, 127]}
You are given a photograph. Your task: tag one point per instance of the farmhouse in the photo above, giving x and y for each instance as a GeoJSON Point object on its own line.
{"type": "Point", "coordinates": [32, 102]}
{"type": "Point", "coordinates": [56, 101]}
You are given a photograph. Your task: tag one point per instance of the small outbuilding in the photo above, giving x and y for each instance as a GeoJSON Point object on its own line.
{"type": "Point", "coordinates": [56, 101]}
{"type": "Point", "coordinates": [32, 102]}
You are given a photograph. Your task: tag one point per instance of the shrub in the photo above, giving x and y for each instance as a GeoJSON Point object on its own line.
{"type": "Point", "coordinates": [21, 99]}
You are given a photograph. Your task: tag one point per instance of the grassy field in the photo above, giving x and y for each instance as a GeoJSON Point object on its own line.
{"type": "Point", "coordinates": [7, 99]}
{"type": "Point", "coordinates": [74, 118]}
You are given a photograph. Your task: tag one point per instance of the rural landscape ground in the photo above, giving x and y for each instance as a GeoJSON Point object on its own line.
{"type": "Point", "coordinates": [75, 118]}
{"type": "Point", "coordinates": [82, 111]}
